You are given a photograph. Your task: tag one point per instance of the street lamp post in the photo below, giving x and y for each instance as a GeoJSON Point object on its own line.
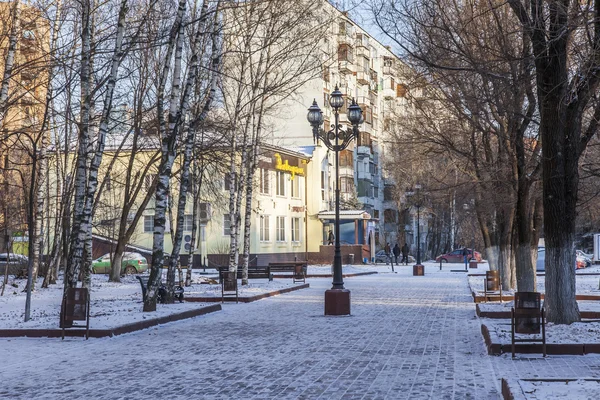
{"type": "Point", "coordinates": [337, 299]}
{"type": "Point", "coordinates": [418, 268]}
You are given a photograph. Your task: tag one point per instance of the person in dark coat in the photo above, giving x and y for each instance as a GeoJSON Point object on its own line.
{"type": "Point", "coordinates": [330, 238]}
{"type": "Point", "coordinates": [405, 254]}
{"type": "Point", "coordinates": [465, 254]}
{"type": "Point", "coordinates": [396, 252]}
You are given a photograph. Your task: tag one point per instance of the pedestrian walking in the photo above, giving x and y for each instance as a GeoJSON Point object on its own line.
{"type": "Point", "coordinates": [330, 238]}
{"type": "Point", "coordinates": [405, 254]}
{"type": "Point", "coordinates": [396, 252]}
{"type": "Point", "coordinates": [465, 254]}
{"type": "Point", "coordinates": [388, 252]}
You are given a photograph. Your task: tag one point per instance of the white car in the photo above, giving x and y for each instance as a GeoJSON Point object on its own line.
{"type": "Point", "coordinates": [17, 263]}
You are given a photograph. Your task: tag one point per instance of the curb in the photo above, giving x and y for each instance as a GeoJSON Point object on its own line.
{"type": "Point", "coordinates": [481, 299]}
{"type": "Point", "coordinates": [119, 330]}
{"type": "Point", "coordinates": [246, 299]}
{"type": "Point", "coordinates": [330, 275]}
{"type": "Point", "coordinates": [506, 314]}
{"type": "Point", "coordinates": [506, 393]}
{"type": "Point", "coordinates": [578, 349]}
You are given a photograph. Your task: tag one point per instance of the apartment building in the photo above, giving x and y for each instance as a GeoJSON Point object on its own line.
{"type": "Point", "coordinates": [24, 45]}
{"type": "Point", "coordinates": [368, 71]}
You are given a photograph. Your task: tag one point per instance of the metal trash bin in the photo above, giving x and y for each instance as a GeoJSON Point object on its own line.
{"type": "Point", "coordinates": [350, 258]}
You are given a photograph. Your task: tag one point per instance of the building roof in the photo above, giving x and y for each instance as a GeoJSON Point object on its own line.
{"type": "Point", "coordinates": [345, 214]}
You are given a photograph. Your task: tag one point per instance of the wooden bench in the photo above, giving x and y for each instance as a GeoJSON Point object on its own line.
{"type": "Point", "coordinates": [162, 290]}
{"type": "Point", "coordinates": [298, 269]}
{"type": "Point", "coordinates": [527, 317]}
{"type": "Point", "coordinates": [254, 272]}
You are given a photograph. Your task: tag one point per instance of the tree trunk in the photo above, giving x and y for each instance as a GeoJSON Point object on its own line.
{"type": "Point", "coordinates": [9, 61]}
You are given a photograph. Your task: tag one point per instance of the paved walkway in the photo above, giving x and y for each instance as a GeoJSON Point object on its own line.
{"type": "Point", "coordinates": [408, 338]}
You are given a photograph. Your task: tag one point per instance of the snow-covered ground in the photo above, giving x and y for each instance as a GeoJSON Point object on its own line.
{"type": "Point", "coordinates": [586, 284]}
{"type": "Point", "coordinates": [580, 332]}
{"type": "Point", "coordinates": [407, 338]}
{"type": "Point", "coordinates": [114, 304]}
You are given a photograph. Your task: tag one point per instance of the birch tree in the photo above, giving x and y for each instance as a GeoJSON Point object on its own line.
{"type": "Point", "coordinates": [272, 53]}
{"type": "Point", "coordinates": [179, 107]}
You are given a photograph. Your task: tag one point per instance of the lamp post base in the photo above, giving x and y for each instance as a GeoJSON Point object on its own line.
{"type": "Point", "coordinates": [337, 302]}
{"type": "Point", "coordinates": [418, 270]}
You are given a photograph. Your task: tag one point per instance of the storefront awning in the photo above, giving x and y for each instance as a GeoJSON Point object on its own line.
{"type": "Point", "coordinates": [345, 214]}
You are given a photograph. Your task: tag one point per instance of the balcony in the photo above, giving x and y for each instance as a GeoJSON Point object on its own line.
{"type": "Point", "coordinates": [388, 70]}
{"type": "Point", "coordinates": [363, 151]}
{"type": "Point", "coordinates": [362, 51]}
{"type": "Point", "coordinates": [346, 172]}
{"type": "Point", "coordinates": [345, 39]}
{"type": "Point", "coordinates": [389, 93]}
{"type": "Point", "coordinates": [362, 78]}
{"type": "Point", "coordinates": [346, 67]}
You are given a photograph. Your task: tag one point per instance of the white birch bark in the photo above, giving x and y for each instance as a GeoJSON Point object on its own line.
{"type": "Point", "coordinates": [92, 181]}
{"type": "Point", "coordinates": [77, 234]}
{"type": "Point", "coordinates": [189, 143]}
{"type": "Point", "coordinates": [168, 139]}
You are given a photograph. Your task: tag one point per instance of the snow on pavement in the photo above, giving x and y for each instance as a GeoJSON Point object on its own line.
{"type": "Point", "coordinates": [407, 338]}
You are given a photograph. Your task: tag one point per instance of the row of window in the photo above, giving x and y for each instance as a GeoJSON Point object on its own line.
{"type": "Point", "coordinates": [265, 227]}
{"type": "Point", "coordinates": [281, 186]}
{"type": "Point", "coordinates": [281, 183]}
{"type": "Point", "coordinates": [280, 229]}
{"type": "Point", "coordinates": [149, 223]}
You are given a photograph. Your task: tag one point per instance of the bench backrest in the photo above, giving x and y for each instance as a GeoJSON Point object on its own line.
{"type": "Point", "coordinates": [76, 306]}
{"type": "Point", "coordinates": [528, 314]}
{"type": "Point", "coordinates": [229, 281]}
{"type": "Point", "coordinates": [492, 280]}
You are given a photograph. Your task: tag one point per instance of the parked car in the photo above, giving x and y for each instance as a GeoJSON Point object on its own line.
{"type": "Point", "coordinates": [456, 256]}
{"type": "Point", "coordinates": [584, 254]}
{"type": "Point", "coordinates": [132, 263]}
{"type": "Point", "coordinates": [587, 258]}
{"type": "Point", "coordinates": [381, 257]}
{"type": "Point", "coordinates": [17, 263]}
{"type": "Point", "coordinates": [580, 262]}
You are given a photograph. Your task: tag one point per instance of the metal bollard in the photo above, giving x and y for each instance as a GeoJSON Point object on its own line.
{"type": "Point", "coordinates": [440, 264]}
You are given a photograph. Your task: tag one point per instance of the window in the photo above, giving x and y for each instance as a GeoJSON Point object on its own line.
{"type": "Point", "coordinates": [388, 193]}
{"type": "Point", "coordinates": [108, 184]}
{"type": "Point", "coordinates": [346, 185]}
{"type": "Point", "coordinates": [148, 180]}
{"type": "Point", "coordinates": [280, 229]}
{"type": "Point", "coordinates": [264, 228]}
{"type": "Point", "coordinates": [265, 182]}
{"type": "Point", "coordinates": [295, 192]}
{"type": "Point", "coordinates": [188, 222]}
{"type": "Point", "coordinates": [226, 224]}
{"type": "Point", "coordinates": [322, 185]}
{"type": "Point", "coordinates": [326, 73]}
{"type": "Point", "coordinates": [345, 53]}
{"type": "Point", "coordinates": [148, 223]}
{"type": "Point", "coordinates": [346, 158]}
{"type": "Point", "coordinates": [280, 184]}
{"type": "Point", "coordinates": [295, 229]}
